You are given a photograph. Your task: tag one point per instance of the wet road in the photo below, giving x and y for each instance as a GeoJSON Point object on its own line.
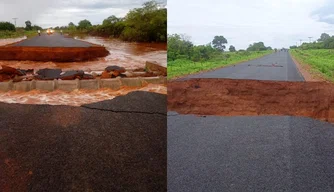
{"type": "Point", "coordinates": [54, 40]}
{"type": "Point", "coordinates": [277, 66]}
{"type": "Point", "coordinates": [264, 153]}
{"type": "Point", "coordinates": [115, 145]}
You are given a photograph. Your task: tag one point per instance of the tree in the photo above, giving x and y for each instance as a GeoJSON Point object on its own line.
{"type": "Point", "coordinates": [6, 26]}
{"type": "Point", "coordinates": [324, 37]}
{"type": "Point", "coordinates": [329, 43]}
{"type": "Point", "coordinates": [179, 46]}
{"type": "Point", "coordinates": [111, 20]}
{"type": "Point", "coordinates": [258, 47]}
{"type": "Point", "coordinates": [28, 25]}
{"type": "Point", "coordinates": [218, 42]}
{"type": "Point", "coordinates": [84, 24]}
{"type": "Point", "coordinates": [232, 48]}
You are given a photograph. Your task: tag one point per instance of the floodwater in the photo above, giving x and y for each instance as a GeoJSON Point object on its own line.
{"type": "Point", "coordinates": [74, 98]}
{"type": "Point", "coordinates": [125, 54]}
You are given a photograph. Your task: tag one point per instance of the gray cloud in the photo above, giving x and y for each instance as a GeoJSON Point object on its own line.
{"type": "Point", "coordinates": [47, 13]}
{"type": "Point", "coordinates": [277, 23]}
{"type": "Point", "coordinates": [325, 13]}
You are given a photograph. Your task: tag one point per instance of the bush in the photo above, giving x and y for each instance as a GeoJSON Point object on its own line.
{"type": "Point", "coordinates": [6, 26]}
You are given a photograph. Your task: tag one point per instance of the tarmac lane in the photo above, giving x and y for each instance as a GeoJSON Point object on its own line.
{"type": "Point", "coordinates": [247, 153]}
{"type": "Point", "coordinates": [113, 145]}
{"type": "Point", "coordinates": [53, 40]}
{"type": "Point", "coordinates": [276, 66]}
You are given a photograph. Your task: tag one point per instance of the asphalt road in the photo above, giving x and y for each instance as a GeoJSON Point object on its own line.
{"type": "Point", "coordinates": [265, 153]}
{"type": "Point", "coordinates": [54, 40]}
{"type": "Point", "coordinates": [259, 69]}
{"type": "Point", "coordinates": [118, 147]}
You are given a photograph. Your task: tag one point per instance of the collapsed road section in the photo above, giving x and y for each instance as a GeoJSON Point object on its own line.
{"type": "Point", "coordinates": [228, 97]}
{"type": "Point", "coordinates": [52, 48]}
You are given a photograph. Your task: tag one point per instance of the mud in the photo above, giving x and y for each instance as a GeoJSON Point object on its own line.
{"type": "Point", "coordinates": [74, 98]}
{"type": "Point", "coordinates": [57, 54]}
{"type": "Point", "coordinates": [125, 54]}
{"type": "Point", "coordinates": [227, 97]}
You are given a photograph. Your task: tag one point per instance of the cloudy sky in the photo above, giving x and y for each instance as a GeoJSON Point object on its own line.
{"type": "Point", "coordinates": [277, 23]}
{"type": "Point", "coordinates": [48, 13]}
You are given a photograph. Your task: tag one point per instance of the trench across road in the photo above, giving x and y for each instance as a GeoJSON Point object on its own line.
{"type": "Point", "coordinates": [277, 66]}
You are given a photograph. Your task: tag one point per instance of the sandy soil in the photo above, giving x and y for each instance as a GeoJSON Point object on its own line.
{"type": "Point", "coordinates": [227, 97]}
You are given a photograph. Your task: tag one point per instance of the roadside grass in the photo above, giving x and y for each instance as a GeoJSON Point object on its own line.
{"type": "Point", "coordinates": [320, 60]}
{"type": "Point", "coordinates": [182, 67]}
{"type": "Point", "coordinates": [16, 34]}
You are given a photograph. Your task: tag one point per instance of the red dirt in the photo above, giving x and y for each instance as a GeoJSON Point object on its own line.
{"type": "Point", "coordinates": [307, 72]}
{"type": "Point", "coordinates": [227, 97]}
{"type": "Point", "coordinates": [59, 54]}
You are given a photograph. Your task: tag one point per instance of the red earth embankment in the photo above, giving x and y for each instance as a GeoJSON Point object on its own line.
{"type": "Point", "coordinates": [227, 97]}
{"type": "Point", "coordinates": [59, 54]}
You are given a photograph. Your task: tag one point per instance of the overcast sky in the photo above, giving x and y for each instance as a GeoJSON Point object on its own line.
{"type": "Point", "coordinates": [51, 13]}
{"type": "Point", "coordinates": [277, 23]}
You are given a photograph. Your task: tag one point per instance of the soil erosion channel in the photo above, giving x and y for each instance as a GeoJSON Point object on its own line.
{"type": "Point", "coordinates": [228, 97]}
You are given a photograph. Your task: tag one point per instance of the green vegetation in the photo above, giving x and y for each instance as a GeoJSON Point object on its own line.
{"type": "Point", "coordinates": [8, 30]}
{"type": "Point", "coordinates": [16, 34]}
{"type": "Point", "coordinates": [185, 58]}
{"type": "Point", "coordinates": [146, 24]}
{"type": "Point", "coordinates": [319, 55]}
{"type": "Point", "coordinates": [320, 60]}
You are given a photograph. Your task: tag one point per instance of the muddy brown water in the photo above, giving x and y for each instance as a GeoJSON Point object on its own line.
{"type": "Point", "coordinates": [125, 54]}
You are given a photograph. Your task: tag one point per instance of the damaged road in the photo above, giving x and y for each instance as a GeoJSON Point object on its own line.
{"type": "Point", "coordinates": [230, 97]}
{"type": "Point", "coordinates": [97, 147]}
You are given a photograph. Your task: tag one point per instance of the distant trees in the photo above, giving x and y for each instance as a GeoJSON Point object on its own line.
{"type": "Point", "coordinates": [258, 47]}
{"type": "Point", "coordinates": [6, 26]}
{"type": "Point", "coordinates": [324, 42]}
{"type": "Point", "coordinates": [232, 48]}
{"type": "Point", "coordinates": [180, 47]}
{"type": "Point", "coordinates": [145, 24]}
{"type": "Point", "coordinates": [324, 37]}
{"type": "Point", "coordinates": [218, 42]}
{"type": "Point", "coordinates": [28, 26]}
{"type": "Point", "coordinates": [84, 24]}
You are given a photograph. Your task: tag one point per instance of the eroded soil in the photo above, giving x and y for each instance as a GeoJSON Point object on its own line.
{"type": "Point", "coordinates": [228, 97]}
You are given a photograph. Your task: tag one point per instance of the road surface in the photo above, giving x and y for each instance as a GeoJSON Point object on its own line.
{"type": "Point", "coordinates": [54, 40]}
{"type": "Point", "coordinates": [115, 145]}
{"type": "Point", "coordinates": [232, 154]}
{"type": "Point", "coordinates": [277, 66]}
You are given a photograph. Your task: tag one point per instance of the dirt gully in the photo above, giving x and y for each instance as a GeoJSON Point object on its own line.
{"type": "Point", "coordinates": [227, 97]}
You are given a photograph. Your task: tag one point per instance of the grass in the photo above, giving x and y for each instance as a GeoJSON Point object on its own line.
{"type": "Point", "coordinates": [320, 60]}
{"type": "Point", "coordinates": [11, 34]}
{"type": "Point", "coordinates": [183, 67]}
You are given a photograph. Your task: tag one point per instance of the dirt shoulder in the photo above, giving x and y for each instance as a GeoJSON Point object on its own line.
{"type": "Point", "coordinates": [307, 72]}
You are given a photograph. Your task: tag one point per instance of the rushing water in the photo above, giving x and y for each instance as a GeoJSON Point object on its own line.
{"type": "Point", "coordinates": [125, 54]}
{"type": "Point", "coordinates": [128, 55]}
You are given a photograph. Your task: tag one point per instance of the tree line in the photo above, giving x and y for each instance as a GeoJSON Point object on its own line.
{"type": "Point", "coordinates": [324, 42]}
{"type": "Point", "coordinates": [145, 24]}
{"type": "Point", "coordinates": [180, 47]}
